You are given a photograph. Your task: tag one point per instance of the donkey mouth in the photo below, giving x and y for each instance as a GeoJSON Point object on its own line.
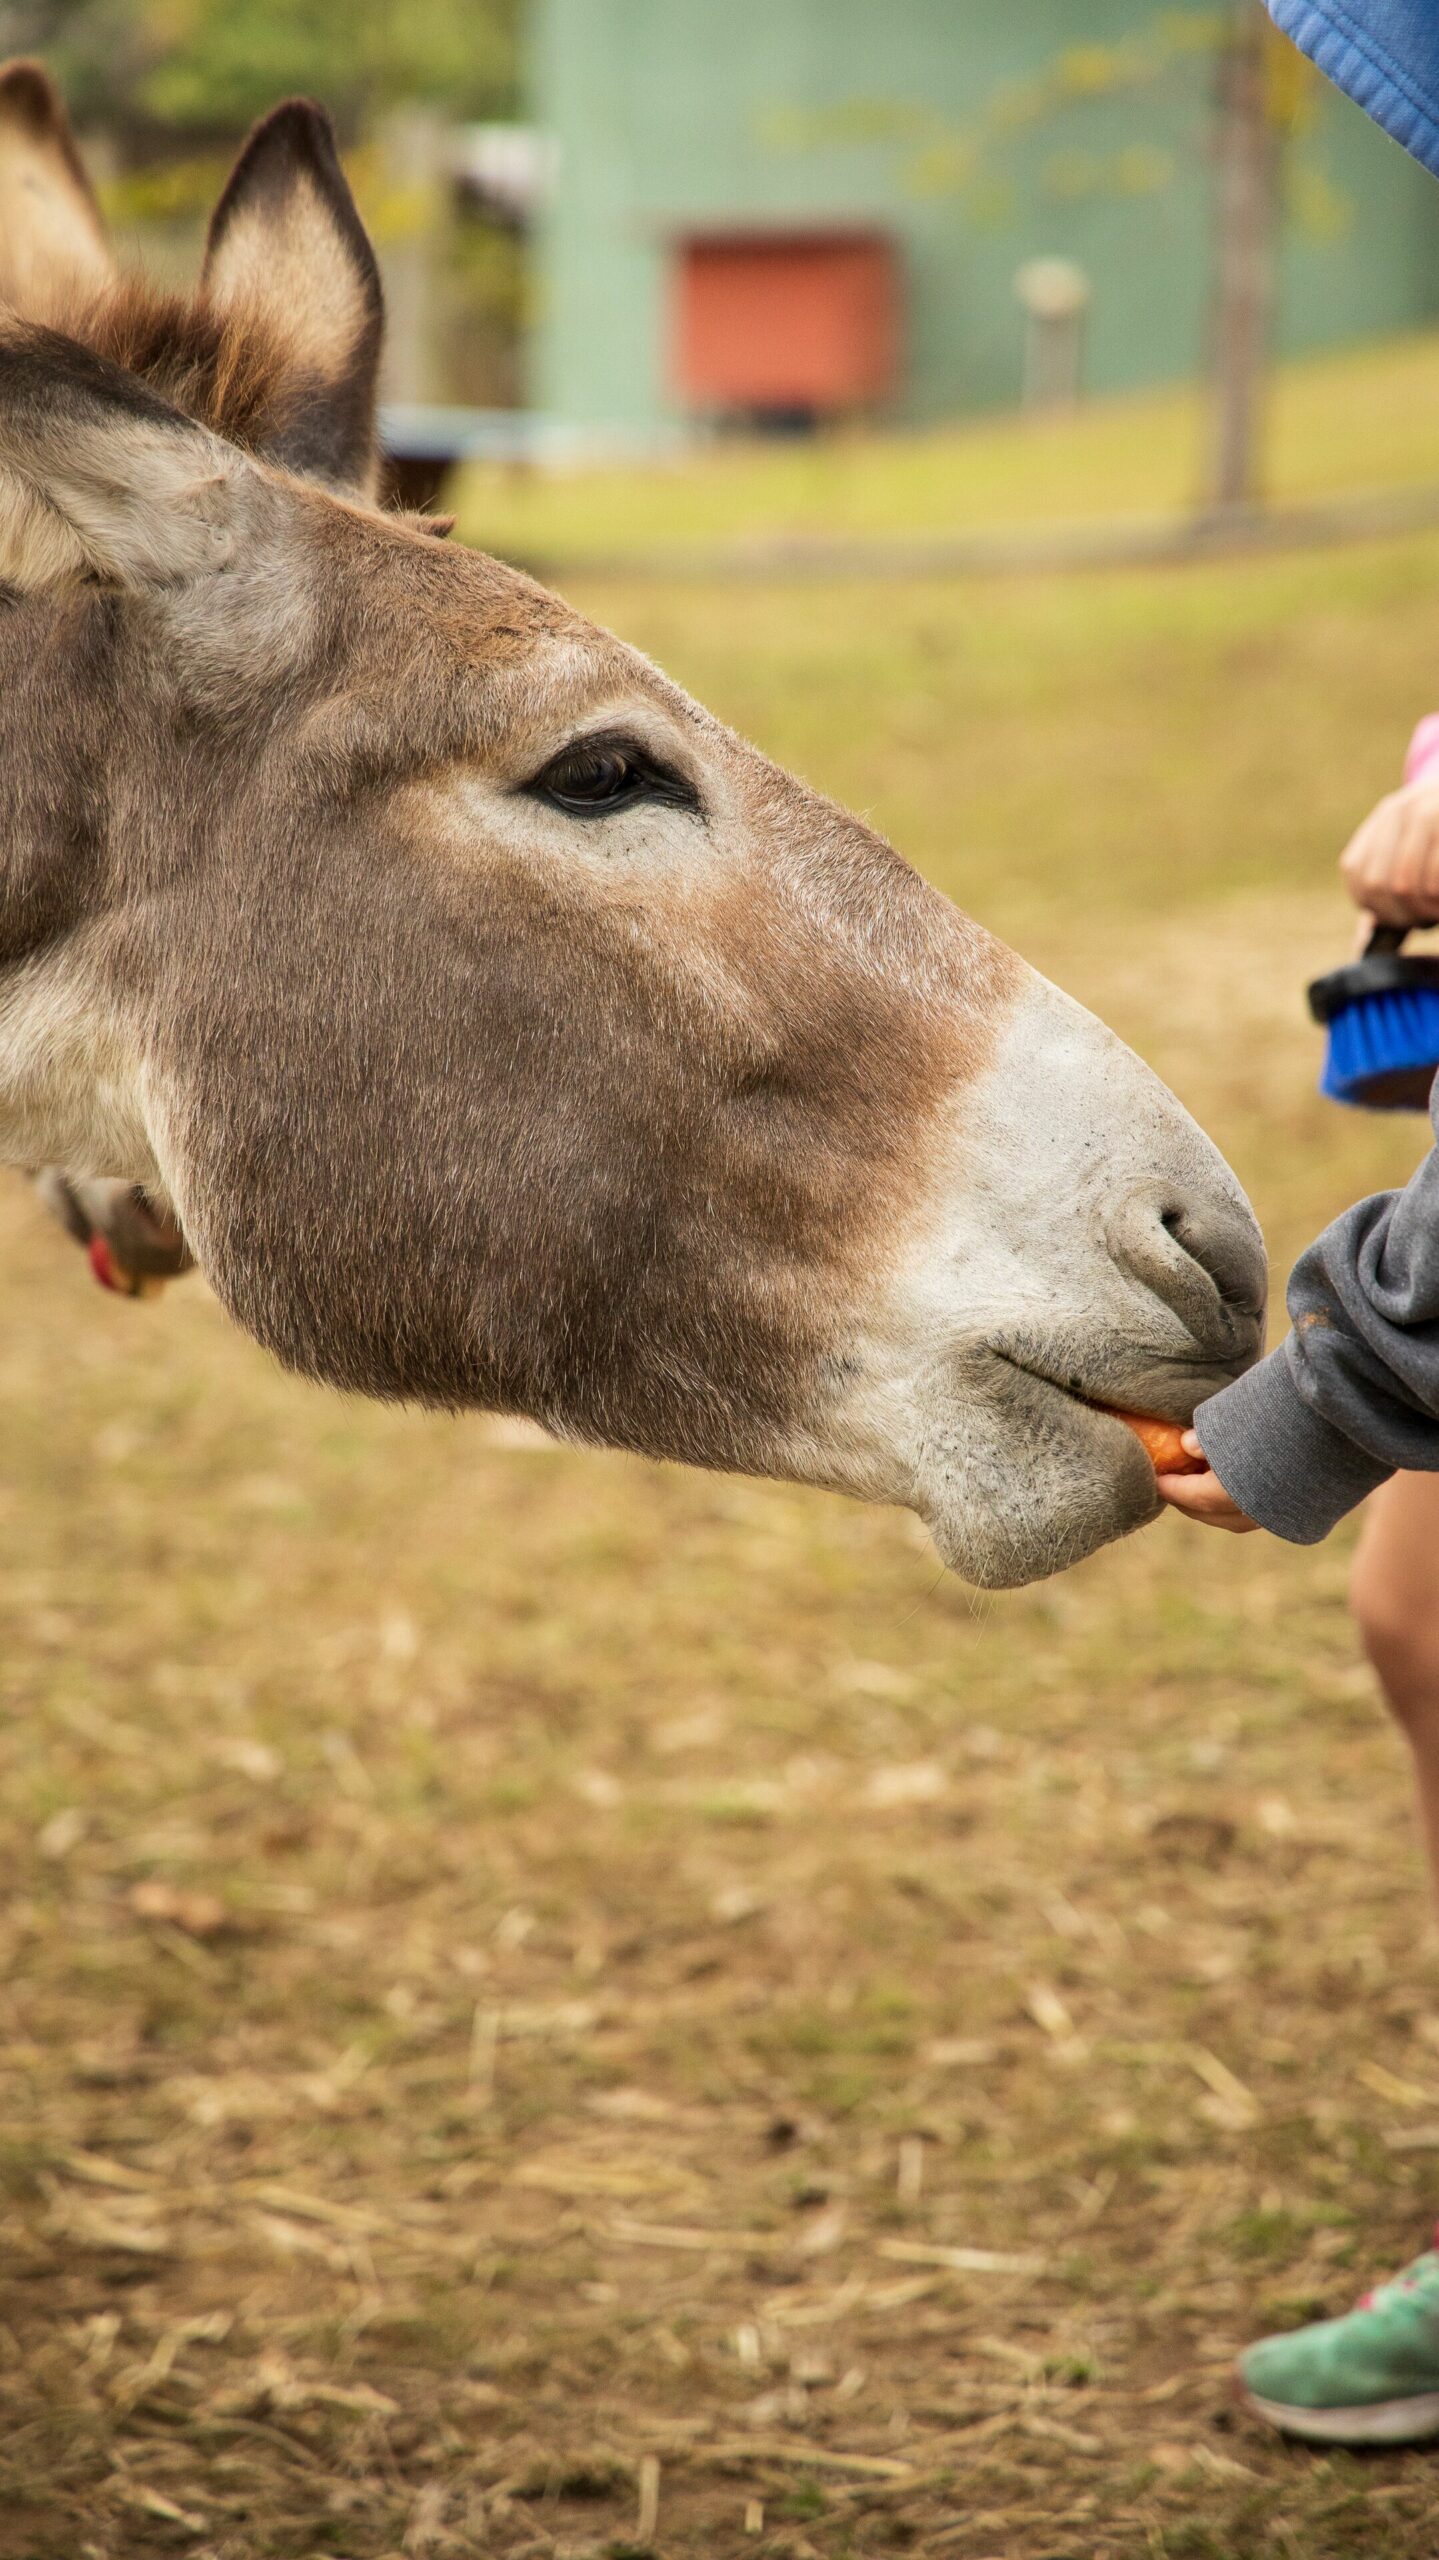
{"type": "Point", "coordinates": [1163, 1386]}
{"type": "Point", "coordinates": [1032, 1469]}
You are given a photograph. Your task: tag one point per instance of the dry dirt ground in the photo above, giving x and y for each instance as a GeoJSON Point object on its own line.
{"type": "Point", "coordinates": [549, 2005]}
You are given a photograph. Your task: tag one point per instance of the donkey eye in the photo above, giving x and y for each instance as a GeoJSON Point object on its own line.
{"type": "Point", "coordinates": [586, 778]}
{"type": "Point", "coordinates": [597, 776]}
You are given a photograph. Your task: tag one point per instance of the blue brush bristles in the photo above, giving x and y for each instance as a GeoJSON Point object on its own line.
{"type": "Point", "coordinates": [1382, 1017]}
{"type": "Point", "coordinates": [1378, 1048]}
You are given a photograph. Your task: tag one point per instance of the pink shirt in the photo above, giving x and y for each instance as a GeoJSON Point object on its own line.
{"type": "Point", "coordinates": [1423, 752]}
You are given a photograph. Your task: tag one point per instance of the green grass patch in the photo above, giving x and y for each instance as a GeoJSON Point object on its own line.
{"type": "Point", "coordinates": [1364, 418]}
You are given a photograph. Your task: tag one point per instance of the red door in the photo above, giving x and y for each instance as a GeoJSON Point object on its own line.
{"type": "Point", "coordinates": [786, 322]}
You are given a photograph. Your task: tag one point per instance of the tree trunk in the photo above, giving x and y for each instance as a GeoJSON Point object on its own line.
{"type": "Point", "coordinates": [1246, 204]}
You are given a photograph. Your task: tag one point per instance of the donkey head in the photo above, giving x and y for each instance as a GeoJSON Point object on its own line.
{"type": "Point", "coordinates": [502, 1030]}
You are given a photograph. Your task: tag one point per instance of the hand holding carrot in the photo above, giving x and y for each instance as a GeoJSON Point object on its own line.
{"type": "Point", "coordinates": [1199, 1494]}
{"type": "Point", "coordinates": [1183, 1474]}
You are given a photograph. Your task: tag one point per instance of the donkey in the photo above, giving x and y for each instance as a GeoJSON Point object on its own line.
{"type": "Point", "coordinates": [498, 1029]}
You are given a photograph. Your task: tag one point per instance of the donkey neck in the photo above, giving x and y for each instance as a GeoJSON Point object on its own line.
{"type": "Point", "coordinates": [70, 1078]}
{"type": "Point", "coordinates": [69, 1067]}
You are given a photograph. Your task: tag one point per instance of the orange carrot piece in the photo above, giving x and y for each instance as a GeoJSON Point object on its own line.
{"type": "Point", "coordinates": [1164, 1442]}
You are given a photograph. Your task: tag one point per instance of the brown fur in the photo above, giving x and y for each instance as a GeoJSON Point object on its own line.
{"type": "Point", "coordinates": [231, 373]}
{"type": "Point", "coordinates": [626, 1122]}
{"type": "Point", "coordinates": [619, 1155]}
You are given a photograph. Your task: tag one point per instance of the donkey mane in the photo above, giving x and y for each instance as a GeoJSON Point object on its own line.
{"type": "Point", "coordinates": [230, 371]}
{"type": "Point", "coordinates": [233, 371]}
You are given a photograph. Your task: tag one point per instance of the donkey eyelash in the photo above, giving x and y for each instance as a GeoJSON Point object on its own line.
{"type": "Point", "coordinates": [600, 777]}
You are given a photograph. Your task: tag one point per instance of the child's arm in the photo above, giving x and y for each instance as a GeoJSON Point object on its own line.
{"type": "Point", "coordinates": [1354, 1392]}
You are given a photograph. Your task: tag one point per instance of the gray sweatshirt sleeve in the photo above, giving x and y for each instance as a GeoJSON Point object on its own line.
{"type": "Point", "coordinates": [1354, 1392]}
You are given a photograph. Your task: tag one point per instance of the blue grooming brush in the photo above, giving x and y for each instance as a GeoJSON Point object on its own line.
{"type": "Point", "coordinates": [1382, 1017]}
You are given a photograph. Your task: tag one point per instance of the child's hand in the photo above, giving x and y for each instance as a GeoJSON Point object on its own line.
{"type": "Point", "coordinates": [1202, 1497]}
{"type": "Point", "coordinates": [1390, 865]}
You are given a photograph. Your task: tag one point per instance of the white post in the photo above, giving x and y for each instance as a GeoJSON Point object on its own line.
{"type": "Point", "coordinates": [1054, 294]}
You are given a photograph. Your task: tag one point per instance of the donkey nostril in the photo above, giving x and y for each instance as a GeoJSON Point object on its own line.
{"type": "Point", "coordinates": [1225, 1250]}
{"type": "Point", "coordinates": [1200, 1256]}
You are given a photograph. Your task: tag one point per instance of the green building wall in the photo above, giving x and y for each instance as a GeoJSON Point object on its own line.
{"type": "Point", "coordinates": [979, 133]}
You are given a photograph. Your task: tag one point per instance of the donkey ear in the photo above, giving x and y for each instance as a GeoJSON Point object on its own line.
{"type": "Point", "coordinates": [288, 250]}
{"type": "Point", "coordinates": [100, 480]}
{"type": "Point", "coordinates": [53, 249]}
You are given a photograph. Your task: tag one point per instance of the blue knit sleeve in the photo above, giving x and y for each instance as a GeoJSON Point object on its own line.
{"type": "Point", "coordinates": [1382, 53]}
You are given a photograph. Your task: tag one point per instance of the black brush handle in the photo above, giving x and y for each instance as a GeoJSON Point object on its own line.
{"type": "Point", "coordinates": [1384, 967]}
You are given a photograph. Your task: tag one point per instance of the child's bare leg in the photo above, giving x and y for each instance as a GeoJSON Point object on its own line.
{"type": "Point", "coordinates": [1372, 2376]}
{"type": "Point", "coordinates": [1395, 1595]}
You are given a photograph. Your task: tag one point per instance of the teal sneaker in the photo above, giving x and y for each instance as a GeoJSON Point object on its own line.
{"type": "Point", "coordinates": [1370, 2378]}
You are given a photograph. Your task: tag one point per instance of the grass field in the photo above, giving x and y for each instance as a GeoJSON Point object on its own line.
{"type": "Point", "coordinates": [1363, 419]}
{"type": "Point", "coordinates": [523, 1974]}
